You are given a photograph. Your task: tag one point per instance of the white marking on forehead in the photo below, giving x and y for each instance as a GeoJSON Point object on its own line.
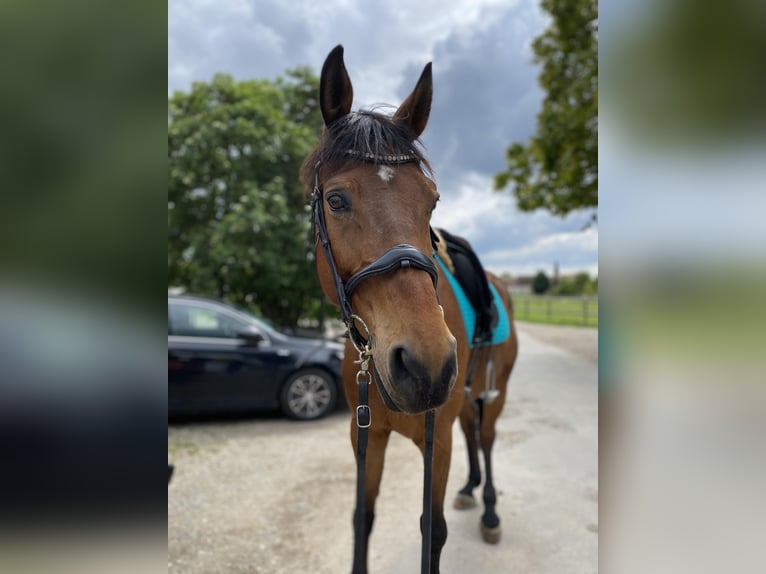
{"type": "Point", "coordinates": [386, 173]}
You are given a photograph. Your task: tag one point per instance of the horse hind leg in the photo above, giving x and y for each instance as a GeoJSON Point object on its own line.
{"type": "Point", "coordinates": [490, 521]}
{"type": "Point", "coordinates": [489, 524]}
{"type": "Point", "coordinates": [469, 418]}
{"type": "Point", "coordinates": [496, 385]}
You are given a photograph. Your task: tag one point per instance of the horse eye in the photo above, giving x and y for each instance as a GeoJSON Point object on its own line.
{"type": "Point", "coordinates": [336, 202]}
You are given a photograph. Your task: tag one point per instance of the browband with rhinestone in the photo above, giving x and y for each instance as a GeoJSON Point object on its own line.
{"type": "Point", "coordinates": [390, 159]}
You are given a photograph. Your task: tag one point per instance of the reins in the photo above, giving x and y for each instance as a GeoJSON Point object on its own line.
{"type": "Point", "coordinates": [428, 455]}
{"type": "Point", "coordinates": [397, 257]}
{"type": "Point", "coordinates": [363, 421]}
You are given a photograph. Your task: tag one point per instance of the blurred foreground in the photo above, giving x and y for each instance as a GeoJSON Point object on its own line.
{"type": "Point", "coordinates": [682, 276]}
{"type": "Point", "coordinates": [82, 288]}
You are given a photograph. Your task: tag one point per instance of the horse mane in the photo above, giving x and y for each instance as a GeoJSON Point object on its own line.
{"type": "Point", "coordinates": [363, 136]}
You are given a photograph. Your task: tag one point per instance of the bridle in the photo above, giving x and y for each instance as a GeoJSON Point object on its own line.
{"type": "Point", "coordinates": [398, 257]}
{"type": "Point", "coordinates": [401, 256]}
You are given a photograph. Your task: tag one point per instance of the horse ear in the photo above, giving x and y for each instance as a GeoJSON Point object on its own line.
{"type": "Point", "coordinates": [335, 90]}
{"type": "Point", "coordinates": [416, 108]}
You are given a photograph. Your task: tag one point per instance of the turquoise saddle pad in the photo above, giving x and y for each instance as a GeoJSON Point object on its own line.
{"type": "Point", "coordinates": [503, 328]}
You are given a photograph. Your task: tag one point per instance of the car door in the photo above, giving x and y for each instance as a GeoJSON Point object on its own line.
{"type": "Point", "coordinates": [210, 367]}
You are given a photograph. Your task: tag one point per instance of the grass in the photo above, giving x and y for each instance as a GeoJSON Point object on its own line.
{"type": "Point", "coordinates": [711, 327]}
{"type": "Point", "coordinates": [554, 310]}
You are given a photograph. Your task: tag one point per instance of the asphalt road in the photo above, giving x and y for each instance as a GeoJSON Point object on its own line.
{"type": "Point", "coordinates": [270, 496]}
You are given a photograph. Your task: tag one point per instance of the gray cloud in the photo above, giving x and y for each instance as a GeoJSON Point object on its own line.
{"type": "Point", "coordinates": [245, 39]}
{"type": "Point", "coordinates": [485, 95]}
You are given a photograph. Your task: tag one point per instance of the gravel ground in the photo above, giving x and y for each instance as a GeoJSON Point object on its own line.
{"type": "Point", "coordinates": [266, 495]}
{"type": "Point", "coordinates": [581, 341]}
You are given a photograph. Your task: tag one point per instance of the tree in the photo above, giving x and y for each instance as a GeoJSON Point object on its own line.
{"type": "Point", "coordinates": [558, 168]}
{"type": "Point", "coordinates": [237, 220]}
{"type": "Point", "coordinates": [540, 283]}
{"type": "Point", "coordinates": [692, 77]}
{"type": "Point", "coordinates": [565, 286]}
{"type": "Point", "coordinates": [580, 284]}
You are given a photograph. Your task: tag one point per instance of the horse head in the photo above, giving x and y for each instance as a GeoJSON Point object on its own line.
{"type": "Point", "coordinates": [372, 199]}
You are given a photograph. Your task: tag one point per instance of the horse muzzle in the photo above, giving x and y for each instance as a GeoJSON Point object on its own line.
{"type": "Point", "coordinates": [411, 385]}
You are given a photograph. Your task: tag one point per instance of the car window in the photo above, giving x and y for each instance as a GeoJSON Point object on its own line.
{"type": "Point", "coordinates": [193, 321]}
{"type": "Point", "coordinates": [263, 325]}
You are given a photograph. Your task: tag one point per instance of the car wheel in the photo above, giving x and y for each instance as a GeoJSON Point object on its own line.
{"type": "Point", "coordinates": [309, 394]}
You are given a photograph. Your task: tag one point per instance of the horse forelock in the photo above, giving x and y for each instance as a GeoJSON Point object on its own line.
{"type": "Point", "coordinates": [364, 136]}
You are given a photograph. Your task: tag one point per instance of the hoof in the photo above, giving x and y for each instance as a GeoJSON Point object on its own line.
{"type": "Point", "coordinates": [490, 535]}
{"type": "Point", "coordinates": [464, 502]}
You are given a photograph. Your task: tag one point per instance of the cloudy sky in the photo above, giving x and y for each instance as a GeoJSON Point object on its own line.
{"type": "Point", "coordinates": [485, 95]}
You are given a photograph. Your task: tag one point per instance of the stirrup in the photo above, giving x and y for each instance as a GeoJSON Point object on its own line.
{"type": "Point", "coordinates": [490, 384]}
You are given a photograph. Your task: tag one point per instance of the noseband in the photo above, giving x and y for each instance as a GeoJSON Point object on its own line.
{"type": "Point", "coordinates": [401, 256]}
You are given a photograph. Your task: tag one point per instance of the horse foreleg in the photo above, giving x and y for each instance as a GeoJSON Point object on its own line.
{"type": "Point", "coordinates": [441, 463]}
{"type": "Point", "coordinates": [469, 416]}
{"type": "Point", "coordinates": [376, 448]}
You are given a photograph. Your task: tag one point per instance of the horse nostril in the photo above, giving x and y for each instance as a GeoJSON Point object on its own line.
{"type": "Point", "coordinates": [405, 367]}
{"type": "Point", "coordinates": [419, 387]}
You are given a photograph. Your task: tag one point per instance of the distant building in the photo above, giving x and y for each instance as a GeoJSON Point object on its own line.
{"type": "Point", "coordinates": [521, 284]}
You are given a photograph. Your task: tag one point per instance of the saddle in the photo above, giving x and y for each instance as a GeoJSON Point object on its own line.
{"type": "Point", "coordinates": [463, 263]}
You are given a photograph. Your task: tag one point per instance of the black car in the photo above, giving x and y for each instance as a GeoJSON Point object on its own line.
{"type": "Point", "coordinates": [224, 359]}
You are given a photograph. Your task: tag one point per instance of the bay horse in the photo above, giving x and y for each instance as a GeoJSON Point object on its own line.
{"type": "Point", "coordinates": [372, 197]}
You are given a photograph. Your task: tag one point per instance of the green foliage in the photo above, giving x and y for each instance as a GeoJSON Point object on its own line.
{"type": "Point", "coordinates": [237, 220]}
{"type": "Point", "coordinates": [540, 283]}
{"type": "Point", "coordinates": [580, 284]}
{"type": "Point", "coordinates": [690, 73]}
{"type": "Point", "coordinates": [558, 168]}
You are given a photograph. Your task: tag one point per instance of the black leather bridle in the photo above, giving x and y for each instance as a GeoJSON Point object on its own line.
{"type": "Point", "coordinates": [401, 256]}
{"type": "Point", "coordinates": [398, 257]}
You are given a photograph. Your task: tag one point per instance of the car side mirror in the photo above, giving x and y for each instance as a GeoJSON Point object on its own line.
{"type": "Point", "coordinates": [251, 335]}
